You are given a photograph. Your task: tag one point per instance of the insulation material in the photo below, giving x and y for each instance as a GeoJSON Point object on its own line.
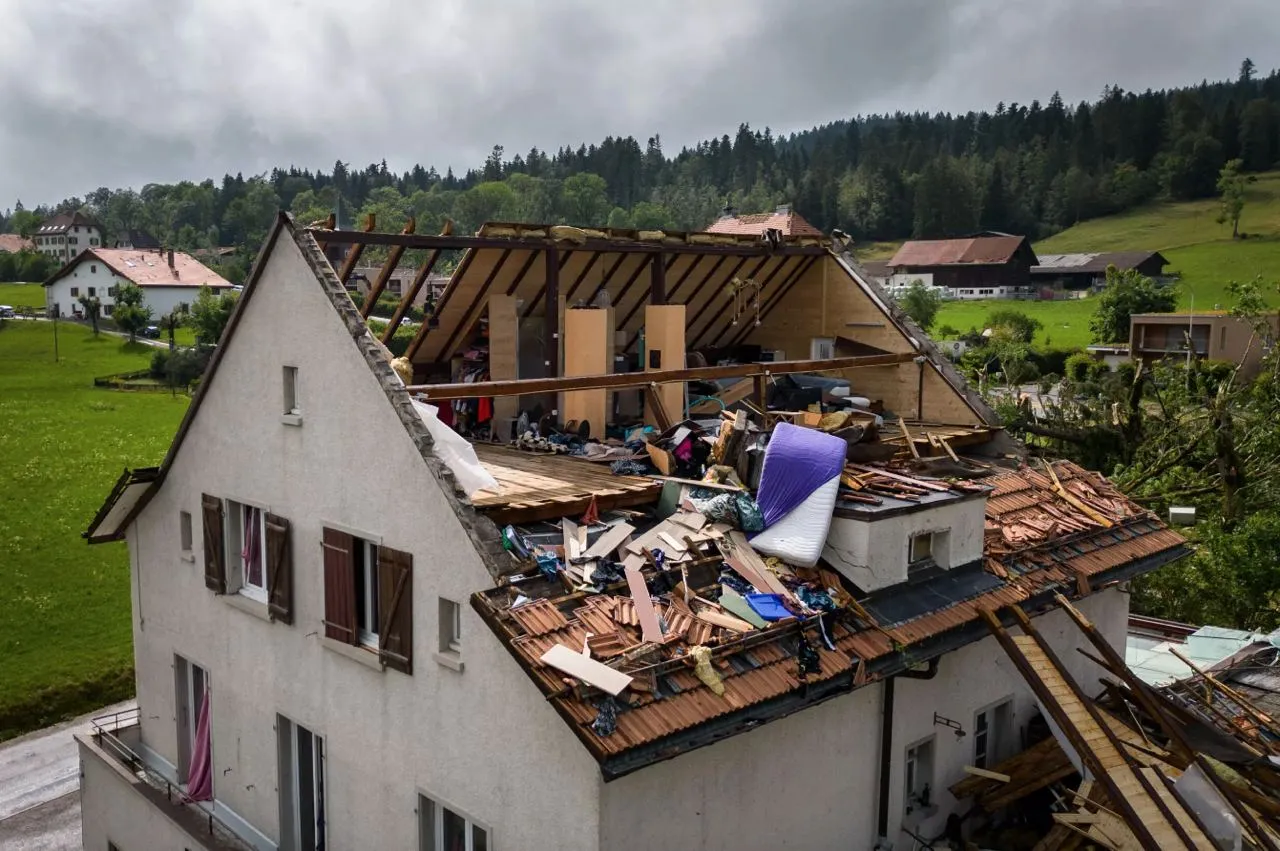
{"type": "Point", "coordinates": [702, 667]}
{"type": "Point", "coordinates": [457, 454]}
{"type": "Point", "coordinates": [798, 490]}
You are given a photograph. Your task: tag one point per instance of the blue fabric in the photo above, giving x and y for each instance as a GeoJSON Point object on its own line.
{"type": "Point", "coordinates": [797, 462]}
{"type": "Point", "coordinates": [768, 606]}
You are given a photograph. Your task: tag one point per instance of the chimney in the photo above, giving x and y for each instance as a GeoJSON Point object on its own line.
{"type": "Point", "coordinates": [170, 258]}
{"type": "Point", "coordinates": [783, 209]}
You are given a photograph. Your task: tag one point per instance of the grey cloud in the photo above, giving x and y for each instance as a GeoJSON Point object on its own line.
{"type": "Point", "coordinates": [125, 92]}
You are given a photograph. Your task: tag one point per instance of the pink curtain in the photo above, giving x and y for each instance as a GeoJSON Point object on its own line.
{"type": "Point", "coordinates": [200, 777]}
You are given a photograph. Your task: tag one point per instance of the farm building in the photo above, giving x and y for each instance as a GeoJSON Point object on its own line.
{"type": "Point", "coordinates": [1089, 271]}
{"type": "Point", "coordinates": [167, 278]}
{"type": "Point", "coordinates": [993, 266]}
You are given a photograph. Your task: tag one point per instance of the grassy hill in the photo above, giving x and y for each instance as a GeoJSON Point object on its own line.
{"type": "Point", "coordinates": [1199, 249]}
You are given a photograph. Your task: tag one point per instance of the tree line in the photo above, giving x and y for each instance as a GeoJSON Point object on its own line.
{"type": "Point", "coordinates": [1021, 168]}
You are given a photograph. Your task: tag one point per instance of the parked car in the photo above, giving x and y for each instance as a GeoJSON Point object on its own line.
{"type": "Point", "coordinates": [6, 312]}
{"type": "Point", "coordinates": [152, 331]}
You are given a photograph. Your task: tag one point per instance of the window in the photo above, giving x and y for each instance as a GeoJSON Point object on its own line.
{"type": "Point", "coordinates": [190, 682]}
{"type": "Point", "coordinates": [1222, 337]}
{"type": "Point", "coordinates": [246, 546]}
{"type": "Point", "coordinates": [184, 530]}
{"type": "Point", "coordinates": [442, 829]}
{"type": "Point", "coordinates": [393, 286]}
{"type": "Point", "coordinates": [450, 627]}
{"type": "Point", "coordinates": [368, 597]}
{"type": "Point", "coordinates": [111, 291]}
{"type": "Point", "coordinates": [302, 784]}
{"type": "Point", "coordinates": [991, 733]}
{"type": "Point", "coordinates": [93, 240]}
{"type": "Point", "coordinates": [918, 776]}
{"type": "Point", "coordinates": [921, 548]}
{"type": "Point", "coordinates": [93, 291]}
{"type": "Point", "coordinates": [75, 292]}
{"type": "Point", "coordinates": [71, 240]}
{"type": "Point", "coordinates": [93, 268]}
{"type": "Point", "coordinates": [291, 390]}
{"type": "Point", "coordinates": [106, 310]}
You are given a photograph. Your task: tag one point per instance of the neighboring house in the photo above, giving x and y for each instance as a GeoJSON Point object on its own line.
{"type": "Point", "coordinates": [167, 279]}
{"type": "Point", "coordinates": [398, 282]}
{"type": "Point", "coordinates": [969, 268]}
{"type": "Point", "coordinates": [138, 239]}
{"type": "Point", "coordinates": [12, 243]}
{"type": "Point", "coordinates": [1214, 334]}
{"type": "Point", "coordinates": [66, 235]}
{"type": "Point", "coordinates": [367, 653]}
{"type": "Point", "coordinates": [784, 220]}
{"type": "Point", "coordinates": [1089, 271]}
{"type": "Point", "coordinates": [1111, 354]}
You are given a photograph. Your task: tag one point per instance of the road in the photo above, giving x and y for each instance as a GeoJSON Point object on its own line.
{"type": "Point", "coordinates": [39, 787]}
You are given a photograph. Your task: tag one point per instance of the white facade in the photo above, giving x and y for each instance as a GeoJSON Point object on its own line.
{"type": "Point", "coordinates": [65, 245]}
{"type": "Point", "coordinates": [95, 279]}
{"type": "Point", "coordinates": [477, 737]}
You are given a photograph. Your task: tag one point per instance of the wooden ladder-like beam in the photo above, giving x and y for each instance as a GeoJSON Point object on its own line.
{"type": "Point", "coordinates": [380, 283]}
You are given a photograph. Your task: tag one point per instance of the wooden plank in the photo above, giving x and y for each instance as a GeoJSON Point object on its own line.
{"type": "Point", "coordinates": [649, 628]}
{"type": "Point", "coordinates": [990, 775]}
{"type": "Point", "coordinates": [504, 354]}
{"type": "Point", "coordinates": [586, 669]}
{"type": "Point", "coordinates": [726, 621]}
{"type": "Point", "coordinates": [664, 345]}
{"type": "Point", "coordinates": [609, 541]}
{"type": "Point", "coordinates": [588, 350]}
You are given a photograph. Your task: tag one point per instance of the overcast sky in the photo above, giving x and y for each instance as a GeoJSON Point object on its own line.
{"type": "Point", "coordinates": [125, 92]}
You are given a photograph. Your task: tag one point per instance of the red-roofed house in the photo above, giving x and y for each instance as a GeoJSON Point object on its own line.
{"type": "Point", "coordinates": [12, 243]}
{"type": "Point", "coordinates": [167, 279]}
{"type": "Point", "coordinates": [975, 267]}
{"type": "Point", "coordinates": [783, 219]}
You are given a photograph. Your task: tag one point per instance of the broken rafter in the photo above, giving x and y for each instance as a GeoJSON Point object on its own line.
{"type": "Point", "coordinates": [406, 301]}
{"type": "Point", "coordinates": [384, 274]}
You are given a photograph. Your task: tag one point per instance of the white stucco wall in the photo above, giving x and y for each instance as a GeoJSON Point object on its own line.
{"type": "Point", "coordinates": [90, 273]}
{"type": "Point", "coordinates": [484, 740]}
{"type": "Point", "coordinates": [873, 554]}
{"type": "Point", "coordinates": [84, 236]}
{"type": "Point", "coordinates": [811, 780]}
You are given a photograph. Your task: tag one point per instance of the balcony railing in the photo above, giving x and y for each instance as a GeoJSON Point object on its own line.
{"type": "Point", "coordinates": [105, 729]}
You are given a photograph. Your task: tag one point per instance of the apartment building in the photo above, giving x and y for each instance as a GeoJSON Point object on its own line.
{"type": "Point", "coordinates": [337, 649]}
{"type": "Point", "coordinates": [66, 235]}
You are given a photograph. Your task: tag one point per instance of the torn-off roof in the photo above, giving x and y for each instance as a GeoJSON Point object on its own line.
{"type": "Point", "coordinates": [976, 251]}
{"type": "Point", "coordinates": [785, 220]}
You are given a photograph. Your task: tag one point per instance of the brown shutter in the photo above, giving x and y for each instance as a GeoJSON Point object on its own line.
{"type": "Point", "coordinates": [215, 564]}
{"type": "Point", "coordinates": [339, 587]}
{"type": "Point", "coordinates": [395, 609]}
{"type": "Point", "coordinates": [279, 570]}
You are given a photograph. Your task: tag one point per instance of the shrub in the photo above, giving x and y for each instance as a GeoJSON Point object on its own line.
{"type": "Point", "coordinates": [1082, 367]}
{"type": "Point", "coordinates": [400, 341]}
{"type": "Point", "coordinates": [1051, 360]}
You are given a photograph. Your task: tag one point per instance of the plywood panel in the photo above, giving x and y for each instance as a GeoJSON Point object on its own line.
{"type": "Point", "coordinates": [588, 350]}
{"type": "Point", "coordinates": [664, 326]}
{"type": "Point", "coordinates": [504, 346]}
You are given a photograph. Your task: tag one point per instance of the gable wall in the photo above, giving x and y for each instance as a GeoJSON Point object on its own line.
{"type": "Point", "coordinates": [482, 740]}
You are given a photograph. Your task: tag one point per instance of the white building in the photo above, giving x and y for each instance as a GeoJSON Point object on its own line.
{"type": "Point", "coordinates": [370, 685]}
{"type": "Point", "coordinates": [167, 278]}
{"type": "Point", "coordinates": [66, 235]}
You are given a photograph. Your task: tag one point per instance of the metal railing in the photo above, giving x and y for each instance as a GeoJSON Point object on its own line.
{"type": "Point", "coordinates": [104, 730]}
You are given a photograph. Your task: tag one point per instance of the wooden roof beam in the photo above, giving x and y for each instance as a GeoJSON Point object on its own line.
{"type": "Point", "coordinates": [529, 386]}
{"type": "Point", "coordinates": [357, 248]}
{"type": "Point", "coordinates": [449, 290]}
{"type": "Point", "coordinates": [608, 246]}
{"type": "Point", "coordinates": [384, 274]}
{"type": "Point", "coordinates": [406, 301]}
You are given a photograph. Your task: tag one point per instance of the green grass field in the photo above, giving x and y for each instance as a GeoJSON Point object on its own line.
{"type": "Point", "coordinates": [1199, 249]}
{"type": "Point", "coordinates": [22, 295]}
{"type": "Point", "coordinates": [65, 637]}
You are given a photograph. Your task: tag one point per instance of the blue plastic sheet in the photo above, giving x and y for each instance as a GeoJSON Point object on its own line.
{"type": "Point", "coordinates": [768, 606]}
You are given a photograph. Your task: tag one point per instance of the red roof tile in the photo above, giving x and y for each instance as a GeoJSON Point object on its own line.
{"type": "Point", "coordinates": [13, 243]}
{"type": "Point", "coordinates": [150, 268]}
{"type": "Point", "coordinates": [789, 222]}
{"type": "Point", "coordinates": [982, 250]}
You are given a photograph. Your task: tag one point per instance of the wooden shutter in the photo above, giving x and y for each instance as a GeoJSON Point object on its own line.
{"type": "Point", "coordinates": [339, 587]}
{"type": "Point", "coordinates": [279, 570]}
{"type": "Point", "coordinates": [215, 562]}
{"type": "Point", "coordinates": [395, 609]}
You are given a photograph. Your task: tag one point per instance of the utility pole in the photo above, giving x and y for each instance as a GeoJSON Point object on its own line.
{"type": "Point", "coordinates": [55, 337]}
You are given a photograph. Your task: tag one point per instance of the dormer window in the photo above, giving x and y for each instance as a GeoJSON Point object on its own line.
{"type": "Point", "coordinates": [921, 548]}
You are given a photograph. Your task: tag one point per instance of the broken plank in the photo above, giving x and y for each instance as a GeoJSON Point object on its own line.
{"type": "Point", "coordinates": [726, 621]}
{"type": "Point", "coordinates": [649, 628]}
{"type": "Point", "coordinates": [609, 541]}
{"type": "Point", "coordinates": [989, 775]}
{"type": "Point", "coordinates": [586, 669]}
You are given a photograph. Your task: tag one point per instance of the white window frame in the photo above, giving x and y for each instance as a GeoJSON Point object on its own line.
{"type": "Point", "coordinates": [288, 737]}
{"type": "Point", "coordinates": [290, 385]}
{"type": "Point", "coordinates": [450, 626]}
{"type": "Point", "coordinates": [185, 535]}
{"type": "Point", "coordinates": [365, 568]}
{"type": "Point", "coordinates": [990, 736]}
{"type": "Point", "coordinates": [917, 774]}
{"type": "Point", "coordinates": [237, 567]}
{"type": "Point", "coordinates": [192, 680]}
{"type": "Point", "coordinates": [431, 816]}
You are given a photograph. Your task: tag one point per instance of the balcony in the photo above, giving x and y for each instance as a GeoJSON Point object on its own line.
{"type": "Point", "coordinates": [117, 740]}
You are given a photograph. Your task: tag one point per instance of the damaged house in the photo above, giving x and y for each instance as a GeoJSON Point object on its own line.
{"type": "Point", "coordinates": [756, 594]}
